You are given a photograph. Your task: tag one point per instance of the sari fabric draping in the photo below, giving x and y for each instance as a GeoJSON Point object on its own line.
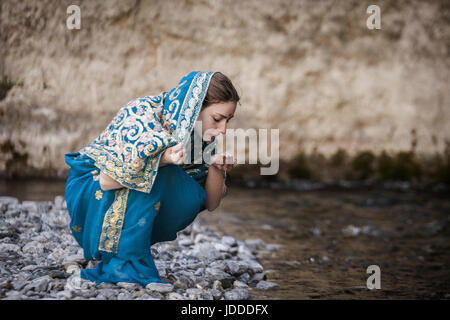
{"type": "Point", "coordinates": [118, 226]}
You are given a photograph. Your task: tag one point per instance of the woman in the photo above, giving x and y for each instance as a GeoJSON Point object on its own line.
{"type": "Point", "coordinates": [131, 187]}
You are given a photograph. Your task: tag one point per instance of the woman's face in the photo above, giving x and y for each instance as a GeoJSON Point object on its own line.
{"type": "Point", "coordinates": [215, 118]}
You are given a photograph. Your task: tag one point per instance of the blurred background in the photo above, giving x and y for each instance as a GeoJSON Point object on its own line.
{"type": "Point", "coordinates": [363, 118]}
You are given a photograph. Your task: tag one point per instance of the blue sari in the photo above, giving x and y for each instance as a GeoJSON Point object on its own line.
{"type": "Point", "coordinates": [117, 227]}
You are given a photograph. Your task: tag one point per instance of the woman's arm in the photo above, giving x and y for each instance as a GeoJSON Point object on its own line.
{"type": "Point", "coordinates": [108, 183]}
{"type": "Point", "coordinates": [215, 188]}
{"type": "Point", "coordinates": [173, 154]}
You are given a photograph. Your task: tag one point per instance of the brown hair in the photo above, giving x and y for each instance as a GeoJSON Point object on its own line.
{"type": "Point", "coordinates": [220, 90]}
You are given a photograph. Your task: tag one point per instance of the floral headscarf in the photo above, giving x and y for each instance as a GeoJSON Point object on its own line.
{"type": "Point", "coordinates": [130, 148]}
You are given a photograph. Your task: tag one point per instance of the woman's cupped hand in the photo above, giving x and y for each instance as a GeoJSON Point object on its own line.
{"type": "Point", "coordinates": [223, 161]}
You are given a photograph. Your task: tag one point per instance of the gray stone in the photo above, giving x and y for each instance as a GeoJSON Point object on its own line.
{"type": "Point", "coordinates": [4, 247]}
{"type": "Point", "coordinates": [237, 294]}
{"type": "Point", "coordinates": [124, 296]}
{"type": "Point", "coordinates": [30, 206]}
{"type": "Point", "coordinates": [205, 250]}
{"type": "Point", "coordinates": [257, 277]}
{"type": "Point", "coordinates": [254, 244]}
{"type": "Point", "coordinates": [240, 284]}
{"type": "Point", "coordinates": [145, 296]}
{"type": "Point", "coordinates": [222, 247]}
{"type": "Point", "coordinates": [8, 200]}
{"type": "Point", "coordinates": [193, 293]}
{"type": "Point", "coordinates": [175, 296]}
{"type": "Point", "coordinates": [266, 285]}
{"type": "Point", "coordinates": [223, 277]}
{"type": "Point", "coordinates": [272, 247]}
{"type": "Point", "coordinates": [33, 247]}
{"type": "Point", "coordinates": [159, 287]}
{"type": "Point", "coordinates": [217, 294]}
{"type": "Point", "coordinates": [230, 241]}
{"type": "Point", "coordinates": [217, 285]}
{"type": "Point", "coordinates": [128, 286]}
{"type": "Point", "coordinates": [245, 277]}
{"type": "Point", "coordinates": [60, 203]}
{"type": "Point", "coordinates": [108, 293]}
{"type": "Point", "coordinates": [236, 267]}
{"type": "Point", "coordinates": [38, 284]}
{"type": "Point", "coordinates": [254, 266]}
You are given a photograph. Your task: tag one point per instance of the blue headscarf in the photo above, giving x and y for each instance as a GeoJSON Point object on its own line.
{"type": "Point", "coordinates": [130, 148]}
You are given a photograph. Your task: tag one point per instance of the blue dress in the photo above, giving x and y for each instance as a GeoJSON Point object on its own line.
{"type": "Point", "coordinates": [117, 227]}
{"type": "Point", "coordinates": [174, 202]}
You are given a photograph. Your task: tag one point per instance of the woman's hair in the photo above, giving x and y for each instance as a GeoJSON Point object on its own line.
{"type": "Point", "coordinates": [220, 90]}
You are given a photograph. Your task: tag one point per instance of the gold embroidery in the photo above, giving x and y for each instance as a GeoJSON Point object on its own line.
{"type": "Point", "coordinates": [113, 222]}
{"type": "Point", "coordinates": [98, 194]}
{"type": "Point", "coordinates": [95, 175]}
{"type": "Point", "coordinates": [157, 205]}
{"type": "Point", "coordinates": [76, 228]}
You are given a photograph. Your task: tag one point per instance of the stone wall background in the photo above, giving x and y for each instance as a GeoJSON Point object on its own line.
{"type": "Point", "coordinates": [310, 68]}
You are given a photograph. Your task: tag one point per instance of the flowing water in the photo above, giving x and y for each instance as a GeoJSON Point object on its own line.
{"type": "Point", "coordinates": [328, 238]}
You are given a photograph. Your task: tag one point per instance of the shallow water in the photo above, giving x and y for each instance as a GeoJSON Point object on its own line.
{"type": "Point", "coordinates": [328, 238]}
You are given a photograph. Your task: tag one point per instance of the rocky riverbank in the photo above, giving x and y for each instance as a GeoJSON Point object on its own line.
{"type": "Point", "coordinates": [40, 259]}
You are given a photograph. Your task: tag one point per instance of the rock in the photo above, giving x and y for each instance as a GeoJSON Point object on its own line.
{"type": "Point", "coordinates": [72, 268]}
{"type": "Point", "coordinates": [266, 285]}
{"type": "Point", "coordinates": [185, 242]}
{"type": "Point", "coordinates": [193, 293]}
{"type": "Point", "coordinates": [245, 277]}
{"type": "Point", "coordinates": [223, 277]}
{"type": "Point", "coordinates": [229, 241]}
{"type": "Point", "coordinates": [217, 285]}
{"type": "Point", "coordinates": [64, 295]}
{"type": "Point", "coordinates": [60, 203]}
{"type": "Point", "coordinates": [254, 244]}
{"type": "Point", "coordinates": [237, 294]}
{"type": "Point", "coordinates": [159, 287]}
{"type": "Point", "coordinates": [128, 286]}
{"type": "Point", "coordinates": [175, 296]}
{"type": "Point", "coordinates": [254, 266]}
{"type": "Point", "coordinates": [145, 296]}
{"type": "Point", "coordinates": [221, 247]}
{"type": "Point", "coordinates": [256, 278]}
{"type": "Point", "coordinates": [199, 272]}
{"type": "Point", "coordinates": [272, 247]}
{"type": "Point", "coordinates": [4, 247]}
{"type": "Point", "coordinates": [239, 284]}
{"type": "Point", "coordinates": [108, 293]}
{"type": "Point", "coordinates": [73, 282]}
{"type": "Point", "coordinates": [236, 268]}
{"type": "Point", "coordinates": [39, 284]}
{"type": "Point", "coordinates": [124, 296]}
{"type": "Point", "coordinates": [30, 206]}
{"type": "Point", "coordinates": [33, 247]}
{"type": "Point", "coordinates": [217, 294]}
{"type": "Point", "coordinates": [206, 251]}
{"type": "Point", "coordinates": [7, 201]}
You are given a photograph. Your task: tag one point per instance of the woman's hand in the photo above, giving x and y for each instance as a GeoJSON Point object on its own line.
{"type": "Point", "coordinates": [223, 161]}
{"type": "Point", "coordinates": [173, 155]}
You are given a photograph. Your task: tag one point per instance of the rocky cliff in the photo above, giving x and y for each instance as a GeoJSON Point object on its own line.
{"type": "Point", "coordinates": [310, 68]}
